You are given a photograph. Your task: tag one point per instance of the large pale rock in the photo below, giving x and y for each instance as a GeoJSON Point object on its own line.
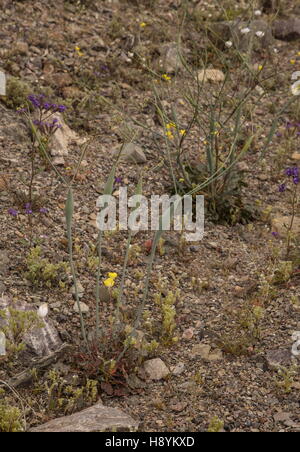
{"type": "Point", "coordinates": [41, 341]}
{"type": "Point", "coordinates": [156, 369]}
{"type": "Point", "coordinates": [287, 29]}
{"type": "Point", "coordinates": [132, 153]}
{"type": "Point", "coordinates": [281, 225]}
{"type": "Point", "coordinates": [63, 138]}
{"type": "Point", "coordinates": [97, 418]}
{"type": "Point", "coordinates": [210, 75]}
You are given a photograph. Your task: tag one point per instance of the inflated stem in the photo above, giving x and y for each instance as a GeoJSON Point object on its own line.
{"type": "Point", "coordinates": [69, 210]}
{"type": "Point", "coordinates": [108, 189]}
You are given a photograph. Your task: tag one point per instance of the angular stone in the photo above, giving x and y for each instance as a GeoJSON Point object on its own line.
{"type": "Point", "coordinates": [80, 290]}
{"type": "Point", "coordinates": [40, 341]}
{"type": "Point", "coordinates": [62, 138]}
{"type": "Point", "coordinates": [83, 307]}
{"type": "Point", "coordinates": [281, 224]}
{"type": "Point", "coordinates": [97, 418]}
{"type": "Point", "coordinates": [287, 29]}
{"type": "Point", "coordinates": [278, 358]}
{"type": "Point", "coordinates": [132, 153]}
{"type": "Point", "coordinates": [156, 369]}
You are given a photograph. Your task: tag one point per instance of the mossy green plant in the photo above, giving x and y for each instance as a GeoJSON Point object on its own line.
{"type": "Point", "coordinates": [17, 92]}
{"type": "Point", "coordinates": [10, 417]}
{"type": "Point", "coordinates": [42, 272]}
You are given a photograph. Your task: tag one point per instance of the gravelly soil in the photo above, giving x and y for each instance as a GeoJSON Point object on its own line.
{"type": "Point", "coordinates": [38, 42]}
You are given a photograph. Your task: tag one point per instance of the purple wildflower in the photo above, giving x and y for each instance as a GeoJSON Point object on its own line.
{"type": "Point", "coordinates": [296, 180]}
{"type": "Point", "coordinates": [118, 180]}
{"type": "Point", "coordinates": [289, 172]}
{"type": "Point", "coordinates": [282, 188]}
{"type": "Point", "coordinates": [12, 212]}
{"type": "Point", "coordinates": [43, 210]}
{"type": "Point", "coordinates": [275, 234]}
{"type": "Point", "coordinates": [28, 209]}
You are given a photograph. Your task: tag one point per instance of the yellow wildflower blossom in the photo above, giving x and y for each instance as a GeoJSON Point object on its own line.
{"type": "Point", "coordinates": [109, 282]}
{"type": "Point", "coordinates": [78, 51]}
{"type": "Point", "coordinates": [169, 134]}
{"type": "Point", "coordinates": [143, 24]}
{"type": "Point", "coordinates": [166, 77]}
{"type": "Point", "coordinates": [112, 275]}
{"type": "Point", "coordinates": [260, 67]}
{"type": "Point", "coordinates": [171, 125]}
{"type": "Point", "coordinates": [182, 132]}
{"type": "Point", "coordinates": [292, 61]}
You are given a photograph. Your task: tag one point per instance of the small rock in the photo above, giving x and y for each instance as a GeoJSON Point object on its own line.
{"type": "Point", "coordinates": [80, 290]}
{"type": "Point", "coordinates": [132, 153]}
{"type": "Point", "coordinates": [281, 224]}
{"type": "Point", "coordinates": [97, 418]}
{"type": "Point", "coordinates": [188, 334]}
{"type": "Point", "coordinates": [2, 84]}
{"type": "Point", "coordinates": [278, 358]}
{"type": "Point", "coordinates": [83, 307]}
{"type": "Point", "coordinates": [296, 156]}
{"type": "Point", "coordinates": [217, 355]}
{"type": "Point", "coordinates": [22, 47]}
{"type": "Point", "coordinates": [210, 75]}
{"type": "Point", "coordinates": [201, 350]}
{"type": "Point", "coordinates": [156, 369]}
{"type": "Point", "coordinates": [178, 369]}
{"type": "Point", "coordinates": [287, 29]}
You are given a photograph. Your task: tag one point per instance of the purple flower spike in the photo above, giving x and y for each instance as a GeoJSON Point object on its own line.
{"type": "Point", "coordinates": [28, 209]}
{"type": "Point", "coordinates": [13, 212]}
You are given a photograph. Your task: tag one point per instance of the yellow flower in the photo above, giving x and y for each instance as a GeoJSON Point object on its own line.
{"type": "Point", "coordinates": [298, 53]}
{"type": "Point", "coordinates": [169, 134]}
{"type": "Point", "coordinates": [181, 180]}
{"type": "Point", "coordinates": [109, 282]}
{"type": "Point", "coordinates": [78, 51]}
{"type": "Point", "coordinates": [166, 77]}
{"type": "Point", "coordinates": [260, 67]}
{"type": "Point", "coordinates": [292, 61]}
{"type": "Point", "coordinates": [182, 132]}
{"type": "Point", "coordinates": [143, 24]}
{"type": "Point", "coordinates": [170, 125]}
{"type": "Point", "coordinates": [112, 275]}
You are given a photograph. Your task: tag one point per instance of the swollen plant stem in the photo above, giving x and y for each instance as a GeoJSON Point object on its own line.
{"type": "Point", "coordinates": [120, 297]}
{"type": "Point", "coordinates": [294, 203]}
{"type": "Point", "coordinates": [69, 214]}
{"type": "Point", "coordinates": [99, 249]}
